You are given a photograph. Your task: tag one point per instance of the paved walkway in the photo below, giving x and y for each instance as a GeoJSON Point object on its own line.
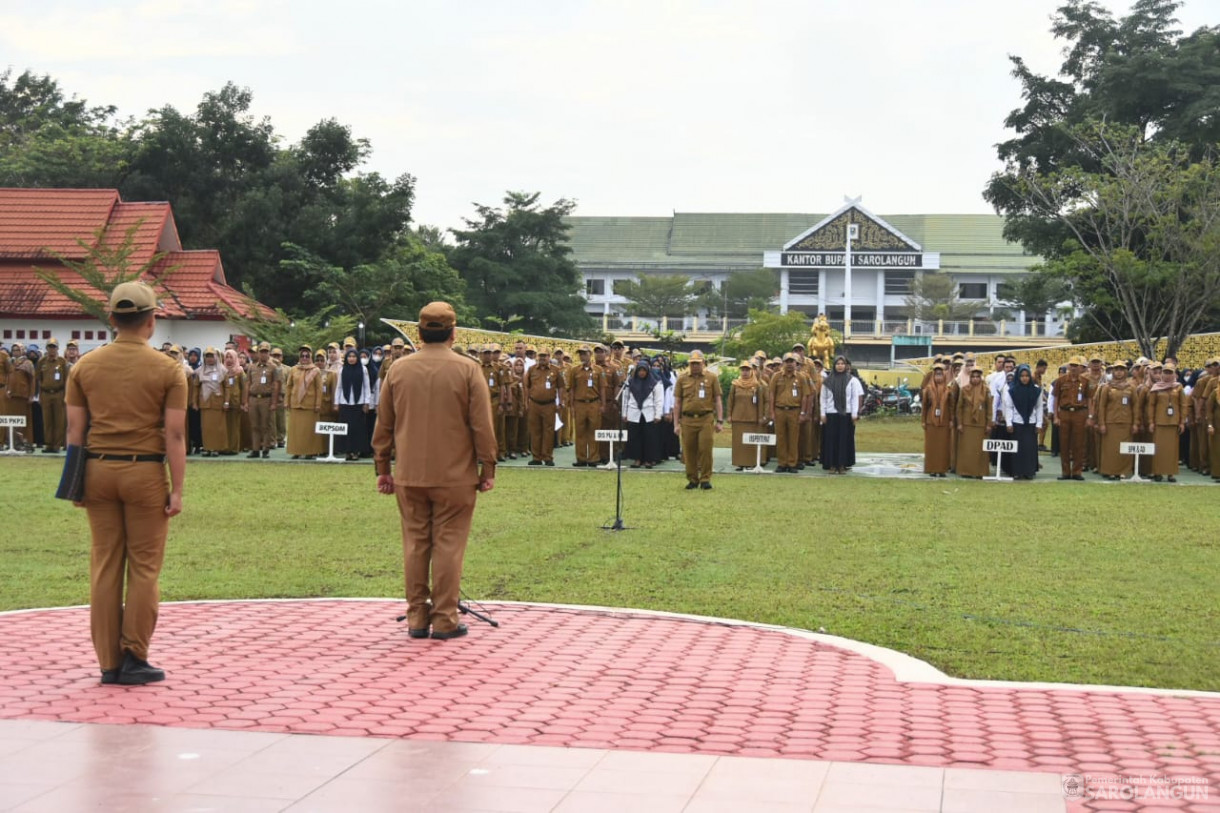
{"type": "Point", "coordinates": [611, 697]}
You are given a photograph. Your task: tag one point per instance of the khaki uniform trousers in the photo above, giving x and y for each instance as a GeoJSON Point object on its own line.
{"type": "Point", "coordinates": [125, 502]}
{"type": "Point", "coordinates": [542, 430]}
{"type": "Point", "coordinates": [54, 419]}
{"type": "Point", "coordinates": [698, 437]}
{"type": "Point", "coordinates": [281, 424]}
{"type": "Point", "coordinates": [586, 419]}
{"type": "Point", "coordinates": [435, 527]}
{"type": "Point", "coordinates": [1073, 441]}
{"type": "Point", "coordinates": [788, 430]}
{"type": "Point", "coordinates": [498, 425]}
{"type": "Point", "coordinates": [262, 424]}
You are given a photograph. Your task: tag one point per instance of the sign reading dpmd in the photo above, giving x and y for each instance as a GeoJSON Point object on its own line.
{"type": "Point", "coordinates": [12, 420]}
{"type": "Point", "coordinates": [861, 259]}
{"type": "Point", "coordinates": [1005, 446]}
{"type": "Point", "coordinates": [323, 428]}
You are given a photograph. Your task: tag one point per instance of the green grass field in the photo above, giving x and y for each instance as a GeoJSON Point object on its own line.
{"type": "Point", "coordinates": [1053, 582]}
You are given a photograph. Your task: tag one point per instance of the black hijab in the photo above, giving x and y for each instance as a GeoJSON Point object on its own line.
{"type": "Point", "coordinates": [641, 388]}
{"type": "Point", "coordinates": [352, 377]}
{"type": "Point", "coordinates": [838, 382]}
{"type": "Point", "coordinates": [1024, 396]}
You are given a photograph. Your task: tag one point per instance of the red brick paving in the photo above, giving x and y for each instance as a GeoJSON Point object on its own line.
{"type": "Point", "coordinates": [591, 678]}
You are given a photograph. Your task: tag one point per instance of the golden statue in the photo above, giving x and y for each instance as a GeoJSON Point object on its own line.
{"type": "Point", "coordinates": [821, 345]}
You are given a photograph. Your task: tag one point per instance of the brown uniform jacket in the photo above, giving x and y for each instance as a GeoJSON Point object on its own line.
{"type": "Point", "coordinates": [586, 384]}
{"type": "Point", "coordinates": [435, 416]}
{"type": "Point", "coordinates": [782, 386]}
{"type": "Point", "coordinates": [52, 376]}
{"type": "Point", "coordinates": [126, 386]}
{"type": "Point", "coordinates": [697, 402]}
{"type": "Point", "coordinates": [543, 382]}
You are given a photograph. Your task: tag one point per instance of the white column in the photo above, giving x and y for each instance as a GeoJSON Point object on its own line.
{"type": "Point", "coordinates": [821, 290]}
{"type": "Point", "coordinates": [783, 290]}
{"type": "Point", "coordinates": [880, 296]}
{"type": "Point", "coordinates": [847, 285]}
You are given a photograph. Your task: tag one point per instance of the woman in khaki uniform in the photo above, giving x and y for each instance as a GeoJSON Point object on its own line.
{"type": "Point", "coordinates": [1117, 422]}
{"type": "Point", "coordinates": [234, 389]}
{"type": "Point", "coordinates": [304, 396]}
{"type": "Point", "coordinates": [1166, 413]}
{"type": "Point", "coordinates": [328, 412]}
{"type": "Point", "coordinates": [973, 421]}
{"type": "Point", "coordinates": [515, 426]}
{"type": "Point", "coordinates": [937, 424]}
{"type": "Point", "coordinates": [747, 413]}
{"type": "Point", "coordinates": [209, 399]}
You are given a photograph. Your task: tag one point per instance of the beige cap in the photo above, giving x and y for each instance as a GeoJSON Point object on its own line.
{"type": "Point", "coordinates": [695, 355]}
{"type": "Point", "coordinates": [1076, 361]}
{"type": "Point", "coordinates": [397, 342]}
{"type": "Point", "coordinates": [437, 316]}
{"type": "Point", "coordinates": [264, 346]}
{"type": "Point", "coordinates": [132, 297]}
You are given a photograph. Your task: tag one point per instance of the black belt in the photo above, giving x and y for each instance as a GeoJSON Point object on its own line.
{"type": "Point", "coordinates": [1072, 409]}
{"type": "Point", "coordinates": [587, 400]}
{"type": "Point", "coordinates": [543, 401]}
{"type": "Point", "coordinates": [777, 406]}
{"type": "Point", "coordinates": [126, 458]}
{"type": "Point", "coordinates": [49, 390]}
{"type": "Point", "coordinates": [696, 414]}
{"type": "Point", "coordinates": [260, 395]}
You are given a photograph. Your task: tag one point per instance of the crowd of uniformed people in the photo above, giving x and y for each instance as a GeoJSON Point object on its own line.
{"type": "Point", "coordinates": [252, 402]}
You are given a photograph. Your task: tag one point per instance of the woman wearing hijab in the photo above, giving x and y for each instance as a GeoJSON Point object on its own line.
{"type": "Point", "coordinates": [1165, 412]}
{"type": "Point", "coordinates": [234, 387]}
{"type": "Point", "coordinates": [1117, 419]}
{"type": "Point", "coordinates": [303, 392]}
{"type": "Point", "coordinates": [352, 400]}
{"type": "Point", "coordinates": [373, 366]}
{"type": "Point", "coordinates": [209, 399]}
{"type": "Point", "coordinates": [937, 419]}
{"type": "Point", "coordinates": [973, 420]}
{"type": "Point", "coordinates": [643, 404]}
{"type": "Point", "coordinates": [842, 394]}
{"type": "Point", "coordinates": [670, 443]}
{"type": "Point", "coordinates": [747, 413]}
{"type": "Point", "coordinates": [1021, 405]}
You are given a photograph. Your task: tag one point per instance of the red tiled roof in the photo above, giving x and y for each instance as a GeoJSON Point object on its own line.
{"type": "Point", "coordinates": [35, 220]}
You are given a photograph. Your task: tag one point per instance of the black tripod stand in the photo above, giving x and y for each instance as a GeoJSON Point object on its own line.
{"type": "Point", "coordinates": [617, 525]}
{"type": "Point", "coordinates": [465, 609]}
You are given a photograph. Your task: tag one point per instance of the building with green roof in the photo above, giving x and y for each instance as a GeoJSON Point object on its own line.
{"type": "Point", "coordinates": [867, 284]}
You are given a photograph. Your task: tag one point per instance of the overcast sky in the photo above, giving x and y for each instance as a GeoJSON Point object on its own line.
{"type": "Point", "coordinates": [630, 108]}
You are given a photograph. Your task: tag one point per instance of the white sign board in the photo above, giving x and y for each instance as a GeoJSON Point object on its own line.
{"type": "Point", "coordinates": [758, 440]}
{"type": "Point", "coordinates": [608, 435]}
{"type": "Point", "coordinates": [324, 428]}
{"type": "Point", "coordinates": [12, 420]}
{"type": "Point", "coordinates": [1006, 446]}
{"type": "Point", "coordinates": [1137, 448]}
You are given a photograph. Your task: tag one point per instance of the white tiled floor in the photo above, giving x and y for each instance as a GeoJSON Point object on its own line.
{"type": "Point", "coordinates": [48, 766]}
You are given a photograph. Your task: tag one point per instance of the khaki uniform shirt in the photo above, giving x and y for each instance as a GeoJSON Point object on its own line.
{"type": "Point", "coordinates": [435, 417]}
{"type": "Point", "coordinates": [543, 383]}
{"type": "Point", "coordinates": [263, 378]}
{"type": "Point", "coordinates": [52, 376]}
{"type": "Point", "coordinates": [586, 383]}
{"type": "Point", "coordinates": [1117, 405]}
{"type": "Point", "coordinates": [1166, 407]}
{"type": "Point", "coordinates": [789, 390]}
{"type": "Point", "coordinates": [698, 393]}
{"type": "Point", "coordinates": [127, 386]}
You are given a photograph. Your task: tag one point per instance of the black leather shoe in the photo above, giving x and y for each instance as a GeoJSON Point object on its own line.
{"type": "Point", "coordinates": [110, 676]}
{"type": "Point", "coordinates": [1078, 477]}
{"type": "Point", "coordinates": [266, 453]}
{"type": "Point", "coordinates": [456, 632]}
{"type": "Point", "coordinates": [549, 463]}
{"type": "Point", "coordinates": [135, 672]}
{"type": "Point", "coordinates": [691, 486]}
{"type": "Point", "coordinates": [1064, 477]}
{"type": "Point", "coordinates": [534, 463]}
{"type": "Point", "coordinates": [422, 632]}
{"type": "Point", "coordinates": [252, 455]}
{"type": "Point", "coordinates": [705, 486]}
{"type": "Point", "coordinates": [579, 463]}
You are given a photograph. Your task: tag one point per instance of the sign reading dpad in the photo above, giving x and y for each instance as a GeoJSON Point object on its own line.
{"type": "Point", "coordinates": [1005, 446]}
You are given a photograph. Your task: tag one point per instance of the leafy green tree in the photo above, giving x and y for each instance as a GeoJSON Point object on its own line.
{"type": "Point", "coordinates": [105, 265]}
{"type": "Point", "coordinates": [1035, 293]}
{"type": "Point", "coordinates": [288, 332]}
{"type": "Point", "coordinates": [47, 139]}
{"type": "Point", "coordinates": [516, 262]}
{"type": "Point", "coordinates": [1145, 233]}
{"type": "Point", "coordinates": [773, 332]}
{"type": "Point", "coordinates": [741, 292]}
{"type": "Point", "coordinates": [934, 296]}
{"type": "Point", "coordinates": [658, 295]}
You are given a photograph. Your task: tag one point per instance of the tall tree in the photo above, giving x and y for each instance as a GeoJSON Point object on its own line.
{"type": "Point", "coordinates": [741, 292]}
{"type": "Point", "coordinates": [518, 268]}
{"type": "Point", "coordinates": [934, 297]}
{"type": "Point", "coordinates": [773, 332]}
{"type": "Point", "coordinates": [1035, 293]}
{"type": "Point", "coordinates": [656, 295]}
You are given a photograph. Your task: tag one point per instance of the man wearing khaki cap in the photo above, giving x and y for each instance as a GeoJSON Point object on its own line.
{"type": "Point", "coordinates": [435, 418]}
{"type": "Point", "coordinates": [133, 401]}
{"type": "Point", "coordinates": [50, 379]}
{"type": "Point", "coordinates": [698, 416]}
{"type": "Point", "coordinates": [1073, 396]}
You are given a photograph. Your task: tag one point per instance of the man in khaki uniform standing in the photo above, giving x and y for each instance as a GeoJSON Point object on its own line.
{"type": "Point", "coordinates": [262, 401]}
{"type": "Point", "coordinates": [545, 390]}
{"type": "Point", "coordinates": [696, 400]}
{"type": "Point", "coordinates": [280, 412]}
{"type": "Point", "coordinates": [435, 418]}
{"type": "Point", "coordinates": [791, 395]}
{"type": "Point", "coordinates": [497, 387]}
{"type": "Point", "coordinates": [586, 388]}
{"type": "Point", "coordinates": [50, 378]}
{"type": "Point", "coordinates": [612, 413]}
{"type": "Point", "coordinates": [132, 401]}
